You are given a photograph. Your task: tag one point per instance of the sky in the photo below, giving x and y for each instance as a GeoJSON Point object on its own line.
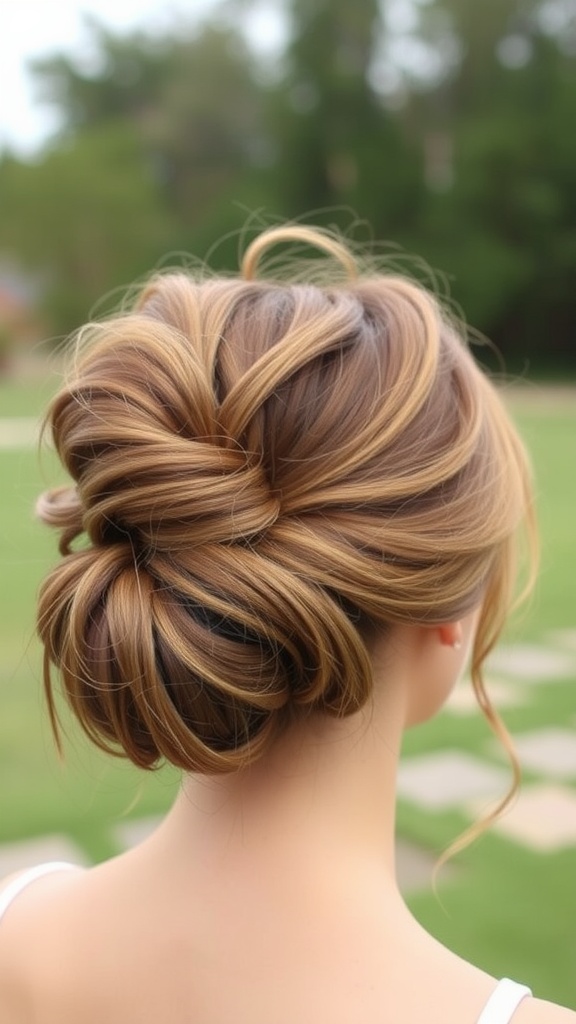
{"type": "Point", "coordinates": [36, 28]}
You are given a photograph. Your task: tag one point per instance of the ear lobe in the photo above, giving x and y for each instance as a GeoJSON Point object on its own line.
{"type": "Point", "coordinates": [451, 634]}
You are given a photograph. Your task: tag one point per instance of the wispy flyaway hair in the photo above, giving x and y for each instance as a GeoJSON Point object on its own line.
{"type": "Point", "coordinates": [264, 470]}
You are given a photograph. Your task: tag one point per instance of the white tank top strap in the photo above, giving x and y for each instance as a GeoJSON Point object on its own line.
{"type": "Point", "coordinates": [23, 880]}
{"type": "Point", "coordinates": [503, 1002]}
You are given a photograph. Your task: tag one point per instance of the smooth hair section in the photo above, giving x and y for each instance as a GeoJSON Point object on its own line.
{"type": "Point", "coordinates": [264, 471]}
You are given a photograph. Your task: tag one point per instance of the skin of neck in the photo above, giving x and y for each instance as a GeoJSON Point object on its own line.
{"type": "Point", "coordinates": [322, 798]}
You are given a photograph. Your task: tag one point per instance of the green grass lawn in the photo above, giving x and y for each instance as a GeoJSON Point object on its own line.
{"type": "Point", "coordinates": [509, 910]}
{"type": "Point", "coordinates": [28, 397]}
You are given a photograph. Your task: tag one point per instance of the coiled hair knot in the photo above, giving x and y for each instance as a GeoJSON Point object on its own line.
{"type": "Point", "coordinates": [263, 470]}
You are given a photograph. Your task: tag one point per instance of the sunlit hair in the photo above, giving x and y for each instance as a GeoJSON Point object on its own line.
{"type": "Point", "coordinates": [264, 470]}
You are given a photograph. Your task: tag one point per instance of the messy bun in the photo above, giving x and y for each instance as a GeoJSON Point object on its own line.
{"type": "Point", "coordinates": [264, 470]}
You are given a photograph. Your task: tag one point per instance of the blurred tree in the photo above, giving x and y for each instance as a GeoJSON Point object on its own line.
{"type": "Point", "coordinates": [158, 141]}
{"type": "Point", "coordinates": [86, 217]}
{"type": "Point", "coordinates": [499, 162]}
{"type": "Point", "coordinates": [337, 142]}
{"type": "Point", "coordinates": [442, 123]}
{"type": "Point", "coordinates": [189, 96]}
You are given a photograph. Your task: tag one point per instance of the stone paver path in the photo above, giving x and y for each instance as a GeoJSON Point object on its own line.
{"type": "Point", "coordinates": [543, 818]}
{"type": "Point", "coordinates": [448, 778]}
{"type": "Point", "coordinates": [548, 752]}
{"type": "Point", "coordinates": [18, 432]}
{"type": "Point", "coordinates": [563, 638]}
{"type": "Point", "coordinates": [462, 700]}
{"type": "Point", "coordinates": [531, 663]}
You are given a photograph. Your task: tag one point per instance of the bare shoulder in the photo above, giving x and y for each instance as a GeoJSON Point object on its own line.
{"type": "Point", "coordinates": [24, 894]}
{"type": "Point", "coordinates": [11, 1008]}
{"type": "Point", "coordinates": [538, 1011]}
{"type": "Point", "coordinates": [13, 887]}
{"type": "Point", "coordinates": [30, 910]}
{"type": "Point", "coordinates": [30, 904]}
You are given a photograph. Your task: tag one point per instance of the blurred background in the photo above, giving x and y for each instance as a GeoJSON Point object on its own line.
{"type": "Point", "coordinates": [134, 132]}
{"type": "Point", "coordinates": [444, 126]}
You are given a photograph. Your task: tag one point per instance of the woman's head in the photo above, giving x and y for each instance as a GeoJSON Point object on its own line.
{"type": "Point", "coordinates": [264, 471]}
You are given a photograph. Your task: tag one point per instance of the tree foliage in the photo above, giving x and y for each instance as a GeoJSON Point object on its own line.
{"type": "Point", "coordinates": [190, 99]}
{"type": "Point", "coordinates": [85, 218]}
{"type": "Point", "coordinates": [448, 132]}
{"type": "Point", "coordinates": [504, 225]}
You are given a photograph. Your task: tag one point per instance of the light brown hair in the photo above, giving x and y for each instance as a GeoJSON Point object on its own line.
{"type": "Point", "coordinates": [264, 470]}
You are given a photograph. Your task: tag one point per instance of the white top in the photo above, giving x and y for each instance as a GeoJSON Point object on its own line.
{"type": "Point", "coordinates": [25, 878]}
{"type": "Point", "coordinates": [504, 1000]}
{"type": "Point", "coordinates": [499, 1009]}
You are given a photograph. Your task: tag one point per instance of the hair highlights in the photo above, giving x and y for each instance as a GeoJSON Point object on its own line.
{"type": "Point", "coordinates": [259, 467]}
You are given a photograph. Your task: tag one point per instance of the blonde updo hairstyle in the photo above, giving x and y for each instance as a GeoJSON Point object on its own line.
{"type": "Point", "coordinates": [264, 470]}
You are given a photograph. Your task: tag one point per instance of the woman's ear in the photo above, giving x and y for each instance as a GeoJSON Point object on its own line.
{"type": "Point", "coordinates": [451, 634]}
